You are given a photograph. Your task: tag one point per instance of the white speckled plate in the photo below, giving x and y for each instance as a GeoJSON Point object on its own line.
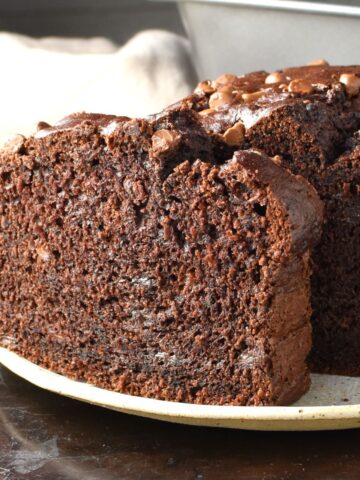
{"type": "Point", "coordinates": [333, 402]}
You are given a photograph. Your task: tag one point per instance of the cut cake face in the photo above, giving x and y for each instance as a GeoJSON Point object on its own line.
{"type": "Point", "coordinates": [151, 258]}
{"type": "Point", "coordinates": [307, 117]}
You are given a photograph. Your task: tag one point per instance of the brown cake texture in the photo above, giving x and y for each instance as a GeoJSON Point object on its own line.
{"type": "Point", "coordinates": [307, 117]}
{"type": "Point", "coordinates": [170, 257]}
{"type": "Point", "coordinates": [150, 258]}
{"type": "Point", "coordinates": [336, 280]}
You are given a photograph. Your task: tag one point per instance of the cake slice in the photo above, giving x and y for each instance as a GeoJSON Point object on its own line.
{"type": "Point", "coordinates": [146, 257]}
{"type": "Point", "coordinates": [336, 279]}
{"type": "Point", "coordinates": [303, 114]}
{"type": "Point", "coordinates": [306, 117]}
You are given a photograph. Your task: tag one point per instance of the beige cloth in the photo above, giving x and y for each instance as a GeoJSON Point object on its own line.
{"type": "Point", "coordinates": [49, 78]}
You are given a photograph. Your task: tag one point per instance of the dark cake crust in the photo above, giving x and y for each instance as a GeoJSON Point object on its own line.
{"type": "Point", "coordinates": [136, 256]}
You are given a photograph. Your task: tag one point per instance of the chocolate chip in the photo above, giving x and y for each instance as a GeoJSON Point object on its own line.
{"type": "Point", "coordinates": [299, 85]}
{"type": "Point", "coordinates": [235, 135]}
{"type": "Point", "coordinates": [163, 140]}
{"type": "Point", "coordinates": [277, 159]}
{"type": "Point", "coordinates": [226, 78]}
{"type": "Point", "coordinates": [220, 98]}
{"type": "Point", "coordinates": [351, 83]}
{"type": "Point", "coordinates": [42, 126]}
{"type": "Point", "coordinates": [204, 87]}
{"type": "Point", "coordinates": [228, 88]}
{"type": "Point", "coordinates": [275, 77]}
{"type": "Point", "coordinates": [252, 97]}
{"type": "Point", "coordinates": [318, 62]}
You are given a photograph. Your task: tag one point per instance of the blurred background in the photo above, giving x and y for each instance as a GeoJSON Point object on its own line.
{"type": "Point", "coordinates": [111, 56]}
{"type": "Point", "coordinates": [135, 57]}
{"type": "Point", "coordinates": [114, 19]}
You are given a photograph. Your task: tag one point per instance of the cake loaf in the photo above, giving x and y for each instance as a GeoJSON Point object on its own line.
{"type": "Point", "coordinates": [307, 117]}
{"type": "Point", "coordinates": [336, 279]}
{"type": "Point", "coordinates": [151, 258]}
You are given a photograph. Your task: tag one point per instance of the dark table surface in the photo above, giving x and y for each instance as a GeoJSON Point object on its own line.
{"type": "Point", "coordinates": [49, 437]}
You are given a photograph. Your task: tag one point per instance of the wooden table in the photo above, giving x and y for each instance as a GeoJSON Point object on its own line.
{"type": "Point", "coordinates": [47, 437]}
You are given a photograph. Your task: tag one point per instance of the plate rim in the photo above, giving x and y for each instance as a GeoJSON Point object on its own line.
{"type": "Point", "coordinates": [57, 383]}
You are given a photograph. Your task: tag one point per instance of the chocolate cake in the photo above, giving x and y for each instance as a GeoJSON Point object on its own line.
{"type": "Point", "coordinates": [336, 279]}
{"type": "Point", "coordinates": [147, 257]}
{"type": "Point", "coordinates": [170, 257]}
{"type": "Point", "coordinates": [307, 117]}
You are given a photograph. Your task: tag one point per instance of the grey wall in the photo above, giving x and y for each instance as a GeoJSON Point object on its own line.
{"type": "Point", "coordinates": [115, 19]}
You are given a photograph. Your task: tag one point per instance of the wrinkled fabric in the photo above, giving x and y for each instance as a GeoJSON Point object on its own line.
{"type": "Point", "coordinates": [47, 79]}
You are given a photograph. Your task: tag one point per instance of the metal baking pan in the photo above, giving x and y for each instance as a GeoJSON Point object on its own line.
{"type": "Point", "coordinates": [245, 35]}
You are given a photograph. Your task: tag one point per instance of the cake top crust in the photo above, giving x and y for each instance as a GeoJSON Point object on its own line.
{"type": "Point", "coordinates": [99, 120]}
{"type": "Point", "coordinates": [244, 99]}
{"type": "Point", "coordinates": [305, 80]}
{"type": "Point", "coordinates": [251, 97]}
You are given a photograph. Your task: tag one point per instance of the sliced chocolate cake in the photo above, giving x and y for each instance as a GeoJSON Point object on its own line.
{"type": "Point", "coordinates": [169, 257]}
{"type": "Point", "coordinates": [336, 279]}
{"type": "Point", "coordinates": [305, 117]}
{"type": "Point", "coordinates": [146, 257]}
